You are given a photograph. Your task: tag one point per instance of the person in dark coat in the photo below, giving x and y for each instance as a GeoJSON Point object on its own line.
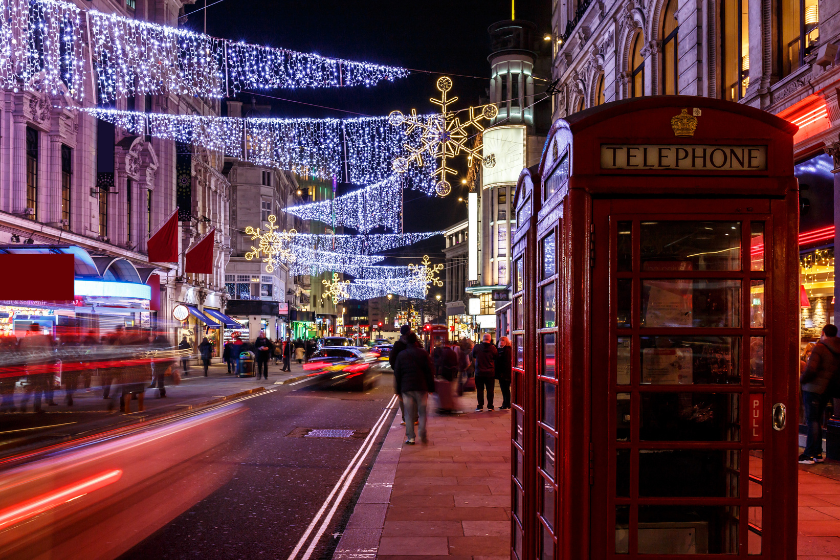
{"type": "Point", "coordinates": [161, 362]}
{"type": "Point", "coordinates": [205, 350]}
{"type": "Point", "coordinates": [227, 356]}
{"type": "Point", "coordinates": [264, 348]}
{"type": "Point", "coordinates": [484, 355]}
{"type": "Point", "coordinates": [446, 368]}
{"type": "Point", "coordinates": [414, 381]}
{"type": "Point", "coordinates": [185, 359]}
{"type": "Point", "coordinates": [822, 368]}
{"type": "Point", "coordinates": [504, 363]}
{"type": "Point", "coordinates": [398, 347]}
{"type": "Point", "coordinates": [287, 354]}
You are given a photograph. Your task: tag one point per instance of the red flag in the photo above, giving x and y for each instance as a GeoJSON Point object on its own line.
{"type": "Point", "coordinates": [163, 245]}
{"type": "Point", "coordinates": [200, 256]}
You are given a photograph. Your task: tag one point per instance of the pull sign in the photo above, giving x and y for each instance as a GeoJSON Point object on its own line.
{"type": "Point", "coordinates": [756, 418]}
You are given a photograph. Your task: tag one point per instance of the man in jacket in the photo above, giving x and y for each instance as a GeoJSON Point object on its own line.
{"type": "Point", "coordinates": [821, 369]}
{"type": "Point", "coordinates": [414, 381]}
{"type": "Point", "coordinates": [287, 355]}
{"type": "Point", "coordinates": [227, 356]}
{"type": "Point", "coordinates": [264, 349]}
{"type": "Point", "coordinates": [484, 355]}
{"type": "Point", "coordinates": [185, 358]}
{"type": "Point", "coordinates": [398, 347]}
{"type": "Point", "coordinates": [205, 350]}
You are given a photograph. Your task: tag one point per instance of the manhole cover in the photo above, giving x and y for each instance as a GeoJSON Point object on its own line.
{"type": "Point", "coordinates": [330, 433]}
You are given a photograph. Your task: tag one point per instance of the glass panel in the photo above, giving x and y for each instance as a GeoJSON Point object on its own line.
{"type": "Point", "coordinates": [549, 306]}
{"type": "Point", "coordinates": [691, 303]}
{"type": "Point", "coordinates": [518, 466]}
{"type": "Point", "coordinates": [520, 350]}
{"type": "Point", "coordinates": [622, 473]}
{"type": "Point", "coordinates": [623, 361]}
{"type": "Point", "coordinates": [519, 313]}
{"type": "Point", "coordinates": [517, 541]}
{"type": "Point", "coordinates": [549, 361]}
{"type": "Point", "coordinates": [520, 282]}
{"type": "Point", "coordinates": [666, 472]}
{"type": "Point", "coordinates": [685, 529]}
{"type": "Point", "coordinates": [687, 360]}
{"type": "Point", "coordinates": [754, 518]}
{"type": "Point", "coordinates": [548, 397]}
{"type": "Point", "coordinates": [624, 246]}
{"type": "Point", "coordinates": [548, 509]}
{"type": "Point", "coordinates": [686, 245]}
{"type": "Point", "coordinates": [756, 475]}
{"type": "Point", "coordinates": [547, 552]}
{"type": "Point", "coordinates": [757, 360]}
{"type": "Point", "coordinates": [733, 472]}
{"type": "Point", "coordinates": [622, 417]}
{"type": "Point", "coordinates": [517, 503]}
{"type": "Point", "coordinates": [548, 458]}
{"type": "Point", "coordinates": [757, 246]}
{"type": "Point", "coordinates": [757, 304]}
{"type": "Point", "coordinates": [548, 267]}
{"type": "Point", "coordinates": [690, 417]}
{"type": "Point", "coordinates": [622, 532]}
{"type": "Point", "coordinates": [625, 300]}
{"type": "Point", "coordinates": [520, 434]}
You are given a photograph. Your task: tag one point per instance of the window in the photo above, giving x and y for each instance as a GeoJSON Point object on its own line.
{"type": "Point", "coordinates": [32, 172]}
{"type": "Point", "coordinates": [502, 272]}
{"type": "Point", "coordinates": [266, 178]}
{"type": "Point", "coordinates": [599, 91]}
{"type": "Point", "coordinates": [669, 49]}
{"type": "Point", "coordinates": [265, 210]}
{"type": "Point", "coordinates": [103, 211]}
{"type": "Point", "coordinates": [502, 209]}
{"type": "Point", "coordinates": [504, 78]}
{"type": "Point", "coordinates": [128, 195]}
{"type": "Point", "coordinates": [486, 304]}
{"type": "Point", "coordinates": [503, 241]}
{"type": "Point", "coordinates": [735, 49]}
{"type": "Point", "coordinates": [131, 4]}
{"type": "Point", "coordinates": [637, 67]}
{"type": "Point", "coordinates": [514, 89]}
{"type": "Point", "coordinates": [266, 290]}
{"type": "Point", "coordinates": [798, 32]}
{"type": "Point", "coordinates": [149, 211]}
{"type": "Point", "coordinates": [66, 184]}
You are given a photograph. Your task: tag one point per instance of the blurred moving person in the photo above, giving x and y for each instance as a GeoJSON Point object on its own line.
{"type": "Point", "coordinates": [504, 363]}
{"type": "Point", "coordinates": [263, 348]}
{"type": "Point", "coordinates": [135, 371]}
{"type": "Point", "coordinates": [446, 372]}
{"type": "Point", "coordinates": [484, 355]}
{"type": "Point", "coordinates": [227, 356]}
{"type": "Point", "coordinates": [36, 350]}
{"type": "Point", "coordinates": [414, 381]}
{"type": "Point", "coordinates": [8, 375]}
{"type": "Point", "coordinates": [162, 363]}
{"type": "Point", "coordinates": [205, 350]}
{"type": "Point", "coordinates": [287, 354]}
{"type": "Point", "coordinates": [71, 351]}
{"type": "Point", "coordinates": [299, 351]}
{"type": "Point", "coordinates": [185, 360]}
{"type": "Point", "coordinates": [91, 344]}
{"type": "Point", "coordinates": [113, 339]}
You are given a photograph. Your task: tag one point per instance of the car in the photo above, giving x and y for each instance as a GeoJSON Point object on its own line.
{"type": "Point", "coordinates": [332, 341]}
{"type": "Point", "coordinates": [382, 352]}
{"type": "Point", "coordinates": [343, 367]}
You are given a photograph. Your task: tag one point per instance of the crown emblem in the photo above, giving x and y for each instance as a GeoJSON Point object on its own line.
{"type": "Point", "coordinates": [684, 124]}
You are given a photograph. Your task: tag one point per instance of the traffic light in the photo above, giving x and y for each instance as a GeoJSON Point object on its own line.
{"type": "Point", "coordinates": [427, 327]}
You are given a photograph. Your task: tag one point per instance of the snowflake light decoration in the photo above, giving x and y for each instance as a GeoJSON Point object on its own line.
{"type": "Point", "coordinates": [426, 273]}
{"type": "Point", "coordinates": [337, 290]}
{"type": "Point", "coordinates": [442, 138]}
{"type": "Point", "coordinates": [272, 244]}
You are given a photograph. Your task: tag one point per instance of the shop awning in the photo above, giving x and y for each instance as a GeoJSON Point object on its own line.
{"type": "Point", "coordinates": [202, 317]}
{"type": "Point", "coordinates": [223, 319]}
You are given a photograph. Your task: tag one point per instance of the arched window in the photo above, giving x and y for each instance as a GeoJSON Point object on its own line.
{"type": "Point", "coordinates": [798, 32]}
{"type": "Point", "coordinates": [637, 67]}
{"type": "Point", "coordinates": [599, 91]}
{"type": "Point", "coordinates": [735, 49]}
{"type": "Point", "coordinates": [669, 49]}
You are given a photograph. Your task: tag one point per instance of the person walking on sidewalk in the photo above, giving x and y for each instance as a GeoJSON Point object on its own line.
{"type": "Point", "coordinates": [287, 354]}
{"type": "Point", "coordinates": [185, 359]}
{"type": "Point", "coordinates": [484, 355]}
{"type": "Point", "coordinates": [205, 350]}
{"type": "Point", "coordinates": [399, 346]}
{"type": "Point", "coordinates": [818, 377]}
{"type": "Point", "coordinates": [504, 363]}
{"type": "Point", "coordinates": [414, 381]}
{"type": "Point", "coordinates": [227, 356]}
{"type": "Point", "coordinates": [236, 353]}
{"type": "Point", "coordinates": [264, 348]}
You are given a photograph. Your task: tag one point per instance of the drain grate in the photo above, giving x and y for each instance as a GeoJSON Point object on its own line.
{"type": "Point", "coordinates": [331, 433]}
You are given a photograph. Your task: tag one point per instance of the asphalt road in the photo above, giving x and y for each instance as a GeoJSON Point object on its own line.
{"type": "Point", "coordinates": [278, 480]}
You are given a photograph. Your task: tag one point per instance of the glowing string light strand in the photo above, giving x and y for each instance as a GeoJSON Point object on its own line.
{"type": "Point", "coordinates": [428, 273]}
{"type": "Point", "coordinates": [272, 244]}
{"type": "Point", "coordinates": [359, 244]}
{"type": "Point", "coordinates": [336, 289]}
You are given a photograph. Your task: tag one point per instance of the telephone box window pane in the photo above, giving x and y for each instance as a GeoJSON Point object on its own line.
{"type": "Point", "coordinates": [519, 467]}
{"type": "Point", "coordinates": [519, 313]}
{"type": "Point", "coordinates": [687, 360]}
{"type": "Point", "coordinates": [622, 417]}
{"type": "Point", "coordinates": [625, 246]}
{"type": "Point", "coordinates": [622, 529]}
{"type": "Point", "coordinates": [754, 519]}
{"type": "Point", "coordinates": [548, 268]}
{"type": "Point", "coordinates": [757, 246]}
{"type": "Point", "coordinates": [622, 473]}
{"type": "Point", "coordinates": [548, 452]}
{"type": "Point", "coordinates": [691, 303]}
{"type": "Point", "coordinates": [757, 304]}
{"type": "Point", "coordinates": [664, 473]}
{"type": "Point", "coordinates": [517, 540]}
{"type": "Point", "coordinates": [688, 529]}
{"type": "Point", "coordinates": [549, 305]}
{"type": "Point", "coordinates": [625, 302]}
{"type": "Point", "coordinates": [547, 509]}
{"type": "Point", "coordinates": [687, 245]}
{"type": "Point", "coordinates": [690, 417]}
{"type": "Point", "coordinates": [520, 429]}
{"type": "Point", "coordinates": [549, 358]}
{"type": "Point", "coordinates": [548, 396]}
{"type": "Point", "coordinates": [520, 350]}
{"type": "Point", "coordinates": [520, 281]}
{"type": "Point", "coordinates": [756, 474]}
{"type": "Point", "coordinates": [517, 503]}
{"type": "Point", "coordinates": [547, 552]}
{"type": "Point", "coordinates": [757, 360]}
{"type": "Point", "coordinates": [623, 361]}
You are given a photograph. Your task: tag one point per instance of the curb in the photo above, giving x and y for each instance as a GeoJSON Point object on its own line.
{"type": "Point", "coordinates": [360, 538]}
{"type": "Point", "coordinates": [292, 380]}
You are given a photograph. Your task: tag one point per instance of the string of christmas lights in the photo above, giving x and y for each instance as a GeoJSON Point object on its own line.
{"type": "Point", "coordinates": [370, 290]}
{"type": "Point", "coordinates": [359, 244]}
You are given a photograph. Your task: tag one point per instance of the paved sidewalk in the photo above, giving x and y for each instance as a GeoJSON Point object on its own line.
{"type": "Point", "coordinates": [450, 498]}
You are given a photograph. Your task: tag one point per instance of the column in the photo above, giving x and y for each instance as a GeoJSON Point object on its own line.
{"type": "Point", "coordinates": [19, 168]}
{"type": "Point", "coordinates": [51, 203]}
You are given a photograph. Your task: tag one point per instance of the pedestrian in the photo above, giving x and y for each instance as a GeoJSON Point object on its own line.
{"type": "Point", "coordinates": [107, 374]}
{"type": "Point", "coordinates": [36, 349]}
{"type": "Point", "coordinates": [264, 348]}
{"type": "Point", "coordinates": [299, 351]}
{"type": "Point", "coordinates": [287, 354]}
{"type": "Point", "coordinates": [504, 363]}
{"type": "Point", "coordinates": [399, 346]}
{"type": "Point", "coordinates": [161, 363]}
{"type": "Point", "coordinates": [484, 355]}
{"type": "Point", "coordinates": [310, 349]}
{"type": "Point", "coordinates": [817, 386]}
{"type": "Point", "coordinates": [446, 371]}
{"type": "Point", "coordinates": [277, 352]}
{"type": "Point", "coordinates": [185, 357]}
{"type": "Point", "coordinates": [414, 381]}
{"type": "Point", "coordinates": [227, 356]}
{"type": "Point", "coordinates": [91, 346]}
{"type": "Point", "coordinates": [466, 366]}
{"type": "Point", "coordinates": [205, 350]}
{"type": "Point", "coordinates": [71, 365]}
{"type": "Point", "coordinates": [236, 353]}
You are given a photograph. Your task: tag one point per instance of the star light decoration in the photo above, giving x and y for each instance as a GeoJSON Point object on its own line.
{"type": "Point", "coordinates": [441, 138]}
{"type": "Point", "coordinates": [273, 244]}
{"type": "Point", "coordinates": [337, 290]}
{"type": "Point", "coordinates": [425, 273]}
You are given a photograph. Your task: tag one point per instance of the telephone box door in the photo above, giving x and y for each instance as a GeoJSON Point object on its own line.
{"type": "Point", "coordinates": [684, 381]}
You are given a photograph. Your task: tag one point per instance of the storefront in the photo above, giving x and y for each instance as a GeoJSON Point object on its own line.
{"type": "Point", "coordinates": [639, 320]}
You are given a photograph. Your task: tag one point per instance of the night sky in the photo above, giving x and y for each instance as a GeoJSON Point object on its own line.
{"type": "Point", "coordinates": [441, 36]}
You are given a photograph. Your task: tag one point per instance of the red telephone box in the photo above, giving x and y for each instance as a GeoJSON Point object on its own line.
{"type": "Point", "coordinates": [655, 324]}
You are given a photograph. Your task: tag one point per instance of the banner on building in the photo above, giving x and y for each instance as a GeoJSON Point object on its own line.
{"type": "Point", "coordinates": [163, 245]}
{"type": "Point", "coordinates": [199, 258]}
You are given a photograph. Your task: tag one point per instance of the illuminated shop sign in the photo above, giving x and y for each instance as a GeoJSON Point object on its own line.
{"type": "Point", "coordinates": [684, 157]}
